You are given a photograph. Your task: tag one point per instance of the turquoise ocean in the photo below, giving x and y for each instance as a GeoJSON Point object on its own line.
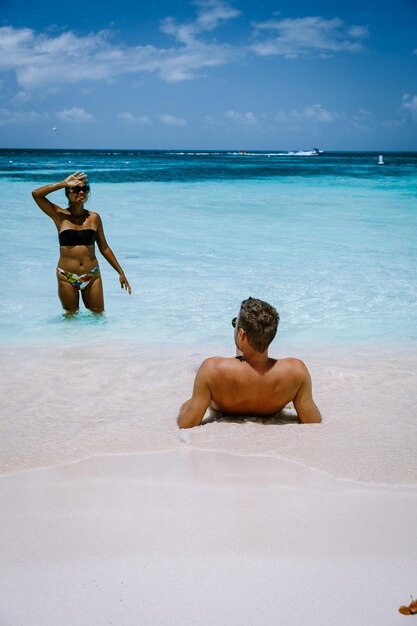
{"type": "Point", "coordinates": [329, 239]}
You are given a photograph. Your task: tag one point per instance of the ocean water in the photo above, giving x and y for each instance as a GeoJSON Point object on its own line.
{"type": "Point", "coordinates": [329, 239]}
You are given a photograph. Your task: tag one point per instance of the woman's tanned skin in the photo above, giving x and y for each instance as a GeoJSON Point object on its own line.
{"type": "Point", "coordinates": [78, 259]}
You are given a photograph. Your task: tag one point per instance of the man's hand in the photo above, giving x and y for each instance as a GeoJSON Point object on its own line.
{"type": "Point", "coordinates": [193, 410]}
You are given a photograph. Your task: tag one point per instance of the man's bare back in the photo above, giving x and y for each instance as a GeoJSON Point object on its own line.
{"type": "Point", "coordinates": [253, 384]}
{"type": "Point", "coordinates": [238, 388]}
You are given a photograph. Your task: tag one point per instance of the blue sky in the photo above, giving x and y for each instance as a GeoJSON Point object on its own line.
{"type": "Point", "coordinates": [210, 74]}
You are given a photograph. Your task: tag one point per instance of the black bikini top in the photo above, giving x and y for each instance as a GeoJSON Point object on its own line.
{"type": "Point", "coordinates": [73, 237]}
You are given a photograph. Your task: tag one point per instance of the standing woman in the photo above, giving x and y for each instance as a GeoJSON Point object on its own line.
{"type": "Point", "coordinates": [78, 230]}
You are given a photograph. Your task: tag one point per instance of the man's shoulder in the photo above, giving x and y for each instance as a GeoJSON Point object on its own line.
{"type": "Point", "coordinates": [297, 367]}
{"type": "Point", "coordinates": [216, 367]}
{"type": "Point", "coordinates": [292, 361]}
{"type": "Point", "coordinates": [215, 363]}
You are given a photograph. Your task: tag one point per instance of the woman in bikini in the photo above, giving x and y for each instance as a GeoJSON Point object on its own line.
{"type": "Point", "coordinates": [78, 230]}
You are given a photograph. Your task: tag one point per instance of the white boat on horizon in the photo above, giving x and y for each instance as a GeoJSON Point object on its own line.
{"type": "Point", "coordinates": [313, 152]}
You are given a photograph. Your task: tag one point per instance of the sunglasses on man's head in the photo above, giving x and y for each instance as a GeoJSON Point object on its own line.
{"type": "Point", "coordinates": [234, 320]}
{"type": "Point", "coordinates": [78, 188]}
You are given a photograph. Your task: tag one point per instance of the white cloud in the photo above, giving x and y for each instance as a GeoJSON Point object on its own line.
{"type": "Point", "coordinates": [12, 40]}
{"type": "Point", "coordinates": [410, 104]}
{"type": "Point", "coordinates": [171, 120]}
{"type": "Point", "coordinates": [242, 119]}
{"type": "Point", "coordinates": [130, 119]}
{"type": "Point", "coordinates": [20, 98]}
{"type": "Point", "coordinates": [358, 32]}
{"type": "Point", "coordinates": [295, 119]}
{"type": "Point", "coordinates": [8, 117]}
{"type": "Point", "coordinates": [294, 37]}
{"type": "Point", "coordinates": [363, 120]}
{"type": "Point", "coordinates": [310, 113]}
{"type": "Point", "coordinates": [211, 14]}
{"type": "Point", "coordinates": [316, 112]}
{"type": "Point", "coordinates": [77, 115]}
{"type": "Point", "coordinates": [43, 61]}
{"type": "Point", "coordinates": [394, 123]}
{"type": "Point", "coordinates": [210, 122]}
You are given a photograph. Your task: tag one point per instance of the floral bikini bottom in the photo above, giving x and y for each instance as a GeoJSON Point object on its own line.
{"type": "Point", "coordinates": [79, 281]}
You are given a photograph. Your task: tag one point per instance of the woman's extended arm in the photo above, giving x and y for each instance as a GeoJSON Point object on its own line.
{"type": "Point", "coordinates": [39, 195]}
{"type": "Point", "coordinates": [108, 254]}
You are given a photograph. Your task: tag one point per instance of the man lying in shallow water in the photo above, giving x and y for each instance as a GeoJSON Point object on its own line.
{"type": "Point", "coordinates": [253, 383]}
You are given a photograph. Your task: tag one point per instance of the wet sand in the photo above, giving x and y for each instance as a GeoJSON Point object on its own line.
{"type": "Point", "coordinates": [109, 518]}
{"type": "Point", "coordinates": [186, 537]}
{"type": "Point", "coordinates": [67, 403]}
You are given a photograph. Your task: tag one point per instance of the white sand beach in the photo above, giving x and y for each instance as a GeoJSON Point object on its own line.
{"type": "Point", "coordinates": [190, 537]}
{"type": "Point", "coordinates": [108, 518]}
{"type": "Point", "coordinates": [65, 403]}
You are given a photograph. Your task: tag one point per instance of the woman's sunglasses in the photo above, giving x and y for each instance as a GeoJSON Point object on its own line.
{"type": "Point", "coordinates": [78, 188]}
{"type": "Point", "coordinates": [234, 320]}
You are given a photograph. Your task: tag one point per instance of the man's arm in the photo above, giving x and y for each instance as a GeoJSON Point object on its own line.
{"type": "Point", "coordinates": [307, 411]}
{"type": "Point", "coordinates": [193, 410]}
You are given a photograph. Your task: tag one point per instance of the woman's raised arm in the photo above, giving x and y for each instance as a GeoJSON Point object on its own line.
{"type": "Point", "coordinates": [48, 207]}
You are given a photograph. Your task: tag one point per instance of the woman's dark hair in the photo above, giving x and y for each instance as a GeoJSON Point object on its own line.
{"type": "Point", "coordinates": [68, 189]}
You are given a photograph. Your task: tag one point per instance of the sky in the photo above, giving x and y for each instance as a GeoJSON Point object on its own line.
{"type": "Point", "coordinates": [209, 74]}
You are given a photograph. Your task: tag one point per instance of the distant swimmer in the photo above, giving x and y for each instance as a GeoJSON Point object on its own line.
{"type": "Point", "coordinates": [78, 230]}
{"type": "Point", "coordinates": [252, 383]}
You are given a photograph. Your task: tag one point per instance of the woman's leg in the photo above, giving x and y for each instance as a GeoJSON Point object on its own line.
{"type": "Point", "coordinates": [93, 296]}
{"type": "Point", "coordinates": [68, 295]}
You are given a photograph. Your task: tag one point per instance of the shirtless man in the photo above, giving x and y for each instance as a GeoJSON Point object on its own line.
{"type": "Point", "coordinates": [253, 383]}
